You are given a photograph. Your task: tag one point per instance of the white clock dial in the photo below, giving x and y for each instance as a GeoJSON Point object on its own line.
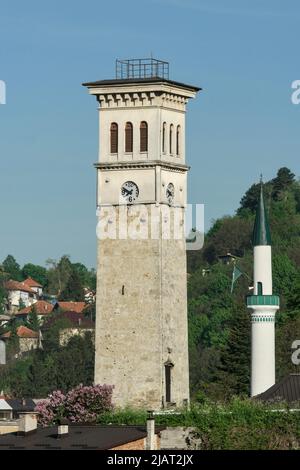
{"type": "Point", "coordinates": [130, 191]}
{"type": "Point", "coordinates": [170, 193]}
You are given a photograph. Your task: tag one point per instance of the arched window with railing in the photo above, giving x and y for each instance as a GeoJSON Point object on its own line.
{"type": "Point", "coordinates": [128, 137]}
{"type": "Point", "coordinates": [164, 130]}
{"type": "Point", "coordinates": [171, 139]}
{"type": "Point", "coordinates": [143, 137]}
{"type": "Point", "coordinates": [178, 143]}
{"type": "Point", "coordinates": [114, 137]}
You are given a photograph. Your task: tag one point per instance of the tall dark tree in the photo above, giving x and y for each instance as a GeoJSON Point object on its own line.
{"type": "Point", "coordinates": [73, 289]}
{"type": "Point", "coordinates": [58, 274]}
{"type": "Point", "coordinates": [234, 370]}
{"type": "Point", "coordinates": [12, 268]}
{"type": "Point", "coordinates": [284, 179]}
{"type": "Point", "coordinates": [33, 321]}
{"type": "Point", "coordinates": [249, 201]}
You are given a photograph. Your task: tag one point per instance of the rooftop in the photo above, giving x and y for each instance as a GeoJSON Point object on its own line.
{"type": "Point", "coordinates": [70, 306]}
{"type": "Point", "coordinates": [41, 307]}
{"type": "Point", "coordinates": [288, 390]}
{"type": "Point", "coordinates": [22, 332]}
{"type": "Point", "coordinates": [16, 285]}
{"type": "Point", "coordinates": [32, 283]}
{"type": "Point", "coordinates": [80, 437]}
{"type": "Point", "coordinates": [140, 72]}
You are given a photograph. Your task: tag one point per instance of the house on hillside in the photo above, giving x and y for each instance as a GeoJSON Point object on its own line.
{"type": "Point", "coordinates": [89, 295]}
{"type": "Point", "coordinates": [28, 339]}
{"type": "Point", "coordinates": [70, 306]}
{"type": "Point", "coordinates": [78, 325]}
{"type": "Point", "coordinates": [41, 307]}
{"type": "Point", "coordinates": [34, 285]}
{"type": "Point", "coordinates": [18, 294]}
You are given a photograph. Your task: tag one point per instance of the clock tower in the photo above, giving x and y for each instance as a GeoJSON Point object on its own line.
{"type": "Point", "coordinates": [141, 311]}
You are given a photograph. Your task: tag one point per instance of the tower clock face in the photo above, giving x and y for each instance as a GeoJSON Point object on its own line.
{"type": "Point", "coordinates": [170, 193]}
{"type": "Point", "coordinates": [130, 191]}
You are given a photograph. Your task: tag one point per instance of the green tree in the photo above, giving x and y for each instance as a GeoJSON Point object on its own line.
{"type": "Point", "coordinates": [73, 289]}
{"type": "Point", "coordinates": [33, 321]}
{"type": "Point", "coordinates": [233, 373]}
{"type": "Point", "coordinates": [12, 268]}
{"type": "Point", "coordinates": [36, 272]}
{"type": "Point", "coordinates": [58, 274]}
{"type": "Point", "coordinates": [283, 181]}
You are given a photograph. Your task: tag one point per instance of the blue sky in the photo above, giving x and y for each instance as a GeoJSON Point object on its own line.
{"type": "Point", "coordinates": [244, 55]}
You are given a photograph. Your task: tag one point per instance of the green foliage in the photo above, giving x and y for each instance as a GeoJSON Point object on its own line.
{"type": "Point", "coordinates": [73, 289]}
{"type": "Point", "coordinates": [87, 277]}
{"type": "Point", "coordinates": [240, 424]}
{"type": "Point", "coordinates": [36, 272]}
{"type": "Point", "coordinates": [58, 274]}
{"type": "Point", "coordinates": [54, 367]}
{"type": "Point", "coordinates": [219, 327]}
{"type": "Point", "coordinates": [12, 268]}
{"type": "Point", "coordinates": [33, 321]}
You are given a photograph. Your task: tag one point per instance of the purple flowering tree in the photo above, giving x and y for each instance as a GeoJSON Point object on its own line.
{"type": "Point", "coordinates": [81, 405]}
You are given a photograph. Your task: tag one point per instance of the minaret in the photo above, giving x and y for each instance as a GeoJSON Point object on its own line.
{"type": "Point", "coordinates": [262, 305]}
{"type": "Point", "coordinates": [141, 313]}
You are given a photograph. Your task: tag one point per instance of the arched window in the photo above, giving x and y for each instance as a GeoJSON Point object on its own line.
{"type": "Point", "coordinates": [114, 137]}
{"type": "Point", "coordinates": [128, 137]}
{"type": "Point", "coordinates": [178, 140]}
{"type": "Point", "coordinates": [143, 137]}
{"type": "Point", "coordinates": [164, 129]}
{"type": "Point", "coordinates": [171, 139]}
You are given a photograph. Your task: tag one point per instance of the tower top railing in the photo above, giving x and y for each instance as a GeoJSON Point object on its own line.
{"type": "Point", "coordinates": [142, 68]}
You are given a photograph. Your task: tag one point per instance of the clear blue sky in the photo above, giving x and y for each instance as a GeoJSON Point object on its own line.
{"type": "Point", "coordinates": [244, 55]}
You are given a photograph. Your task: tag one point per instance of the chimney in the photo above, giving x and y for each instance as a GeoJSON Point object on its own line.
{"type": "Point", "coordinates": [62, 428]}
{"type": "Point", "coordinates": [151, 442]}
{"type": "Point", "coordinates": [27, 423]}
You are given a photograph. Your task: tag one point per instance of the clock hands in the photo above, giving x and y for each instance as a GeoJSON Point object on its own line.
{"type": "Point", "coordinates": [127, 191]}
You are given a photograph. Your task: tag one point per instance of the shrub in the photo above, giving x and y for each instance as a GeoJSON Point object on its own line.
{"type": "Point", "coordinates": [80, 405]}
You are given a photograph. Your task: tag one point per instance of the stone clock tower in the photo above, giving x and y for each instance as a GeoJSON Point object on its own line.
{"type": "Point", "coordinates": [141, 319]}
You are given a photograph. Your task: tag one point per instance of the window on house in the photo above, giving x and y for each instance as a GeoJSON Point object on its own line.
{"type": "Point", "coordinates": [171, 138]}
{"type": "Point", "coordinates": [114, 137]}
{"type": "Point", "coordinates": [178, 140]}
{"type": "Point", "coordinates": [128, 137]}
{"type": "Point", "coordinates": [164, 129]}
{"type": "Point", "coordinates": [143, 137]}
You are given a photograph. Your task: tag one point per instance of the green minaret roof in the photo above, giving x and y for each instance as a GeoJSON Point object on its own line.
{"type": "Point", "coordinates": [261, 231]}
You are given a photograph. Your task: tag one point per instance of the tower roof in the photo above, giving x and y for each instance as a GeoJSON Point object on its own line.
{"type": "Point", "coordinates": [261, 231]}
{"type": "Point", "coordinates": [137, 72]}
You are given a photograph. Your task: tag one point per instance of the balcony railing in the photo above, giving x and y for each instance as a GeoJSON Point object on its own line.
{"type": "Point", "coordinates": [262, 300]}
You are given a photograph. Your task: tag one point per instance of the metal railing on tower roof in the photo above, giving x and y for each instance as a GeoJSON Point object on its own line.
{"type": "Point", "coordinates": [142, 68]}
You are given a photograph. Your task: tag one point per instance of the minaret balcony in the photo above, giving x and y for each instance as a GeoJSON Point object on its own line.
{"type": "Point", "coordinates": [268, 300]}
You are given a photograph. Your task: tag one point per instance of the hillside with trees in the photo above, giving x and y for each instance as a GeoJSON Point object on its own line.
{"type": "Point", "coordinates": [219, 324]}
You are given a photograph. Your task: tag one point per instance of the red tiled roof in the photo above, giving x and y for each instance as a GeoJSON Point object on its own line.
{"type": "Point", "coordinates": [41, 307]}
{"type": "Point", "coordinates": [31, 282]}
{"type": "Point", "coordinates": [77, 307]}
{"type": "Point", "coordinates": [15, 285]}
{"type": "Point", "coordinates": [23, 332]}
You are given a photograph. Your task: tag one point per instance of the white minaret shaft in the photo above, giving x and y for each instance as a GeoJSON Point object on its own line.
{"type": "Point", "coordinates": [263, 306]}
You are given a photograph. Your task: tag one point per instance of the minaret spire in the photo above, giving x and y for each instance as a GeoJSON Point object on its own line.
{"type": "Point", "coordinates": [261, 233]}
{"type": "Point", "coordinates": [262, 304]}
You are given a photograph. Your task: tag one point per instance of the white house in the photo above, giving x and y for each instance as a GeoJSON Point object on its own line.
{"type": "Point", "coordinates": [19, 293]}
